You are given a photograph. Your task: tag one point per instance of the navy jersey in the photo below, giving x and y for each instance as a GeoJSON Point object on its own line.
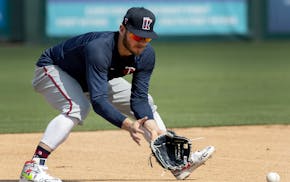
{"type": "Point", "coordinates": [93, 59]}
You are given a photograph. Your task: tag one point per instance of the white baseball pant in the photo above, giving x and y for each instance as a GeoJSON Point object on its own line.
{"type": "Point", "coordinates": [66, 95]}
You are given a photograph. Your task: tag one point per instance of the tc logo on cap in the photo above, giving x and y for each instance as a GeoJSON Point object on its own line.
{"type": "Point", "coordinates": [146, 23]}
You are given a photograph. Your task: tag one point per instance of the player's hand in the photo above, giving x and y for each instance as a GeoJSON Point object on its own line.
{"type": "Point", "coordinates": [134, 128]}
{"type": "Point", "coordinates": [153, 129]}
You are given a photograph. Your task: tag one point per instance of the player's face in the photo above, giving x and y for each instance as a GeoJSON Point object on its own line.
{"type": "Point", "coordinates": [134, 43]}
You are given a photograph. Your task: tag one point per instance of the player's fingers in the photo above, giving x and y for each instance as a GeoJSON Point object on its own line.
{"type": "Point", "coordinates": [139, 123]}
{"type": "Point", "coordinates": [138, 130]}
{"type": "Point", "coordinates": [142, 120]}
{"type": "Point", "coordinates": [135, 138]}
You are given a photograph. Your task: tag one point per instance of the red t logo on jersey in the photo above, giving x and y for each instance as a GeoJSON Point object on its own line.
{"type": "Point", "coordinates": [128, 70]}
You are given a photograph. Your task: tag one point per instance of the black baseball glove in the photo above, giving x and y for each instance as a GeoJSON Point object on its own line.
{"type": "Point", "coordinates": [171, 151]}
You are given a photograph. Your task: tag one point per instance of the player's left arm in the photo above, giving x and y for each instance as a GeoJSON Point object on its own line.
{"type": "Point", "coordinates": [140, 86]}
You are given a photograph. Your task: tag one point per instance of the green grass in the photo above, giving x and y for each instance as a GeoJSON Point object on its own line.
{"type": "Point", "coordinates": [194, 84]}
{"type": "Point", "coordinates": [223, 83]}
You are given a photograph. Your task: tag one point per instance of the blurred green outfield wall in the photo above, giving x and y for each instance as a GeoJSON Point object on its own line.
{"type": "Point", "coordinates": [26, 22]}
{"type": "Point", "coordinates": [11, 20]}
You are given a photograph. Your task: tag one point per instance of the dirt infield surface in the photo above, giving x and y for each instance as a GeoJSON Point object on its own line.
{"type": "Point", "coordinates": [243, 154]}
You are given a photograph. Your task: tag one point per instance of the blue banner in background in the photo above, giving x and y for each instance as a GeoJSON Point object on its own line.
{"type": "Point", "coordinates": [183, 17]}
{"type": "Point", "coordinates": [3, 14]}
{"type": "Point", "coordinates": [279, 16]}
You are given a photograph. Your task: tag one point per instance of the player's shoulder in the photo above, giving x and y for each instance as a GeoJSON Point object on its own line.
{"type": "Point", "coordinates": [99, 36]}
{"type": "Point", "coordinates": [149, 48]}
{"type": "Point", "coordinates": [86, 39]}
{"type": "Point", "coordinates": [147, 58]}
{"type": "Point", "coordinates": [101, 40]}
{"type": "Point", "coordinates": [148, 52]}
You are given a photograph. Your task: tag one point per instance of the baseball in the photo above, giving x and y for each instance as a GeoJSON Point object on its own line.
{"type": "Point", "coordinates": [273, 177]}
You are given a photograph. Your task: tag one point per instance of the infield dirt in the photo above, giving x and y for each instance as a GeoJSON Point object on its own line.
{"type": "Point", "coordinates": [243, 154]}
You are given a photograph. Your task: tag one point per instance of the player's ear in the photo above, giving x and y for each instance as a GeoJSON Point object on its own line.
{"type": "Point", "coordinates": [122, 30]}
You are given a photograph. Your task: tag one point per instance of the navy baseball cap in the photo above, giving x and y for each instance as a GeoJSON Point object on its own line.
{"type": "Point", "coordinates": [140, 21]}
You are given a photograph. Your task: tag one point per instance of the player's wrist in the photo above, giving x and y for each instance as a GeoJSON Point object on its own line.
{"type": "Point", "coordinates": [150, 125]}
{"type": "Point", "coordinates": [153, 128]}
{"type": "Point", "coordinates": [127, 124]}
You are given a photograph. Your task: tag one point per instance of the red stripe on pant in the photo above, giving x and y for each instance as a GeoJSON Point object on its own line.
{"type": "Point", "coordinates": [60, 90]}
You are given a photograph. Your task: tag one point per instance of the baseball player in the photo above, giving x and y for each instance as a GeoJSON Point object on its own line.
{"type": "Point", "coordinates": [93, 64]}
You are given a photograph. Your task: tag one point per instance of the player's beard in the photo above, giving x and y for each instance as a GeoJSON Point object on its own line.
{"type": "Point", "coordinates": [135, 50]}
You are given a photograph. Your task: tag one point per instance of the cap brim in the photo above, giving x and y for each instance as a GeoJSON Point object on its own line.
{"type": "Point", "coordinates": [141, 33]}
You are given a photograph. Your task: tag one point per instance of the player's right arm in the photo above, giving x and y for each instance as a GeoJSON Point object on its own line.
{"type": "Point", "coordinates": [97, 66]}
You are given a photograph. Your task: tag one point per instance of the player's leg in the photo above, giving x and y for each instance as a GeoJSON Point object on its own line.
{"type": "Point", "coordinates": [119, 94]}
{"type": "Point", "coordinates": [198, 158]}
{"type": "Point", "coordinates": [64, 94]}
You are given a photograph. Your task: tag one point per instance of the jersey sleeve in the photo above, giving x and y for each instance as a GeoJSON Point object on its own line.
{"type": "Point", "coordinates": [140, 85]}
{"type": "Point", "coordinates": [97, 78]}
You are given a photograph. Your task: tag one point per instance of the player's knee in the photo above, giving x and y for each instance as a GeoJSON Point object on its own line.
{"type": "Point", "coordinates": [80, 111]}
{"type": "Point", "coordinates": [84, 110]}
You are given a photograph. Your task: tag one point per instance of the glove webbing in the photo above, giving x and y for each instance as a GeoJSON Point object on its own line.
{"type": "Point", "coordinates": [177, 148]}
